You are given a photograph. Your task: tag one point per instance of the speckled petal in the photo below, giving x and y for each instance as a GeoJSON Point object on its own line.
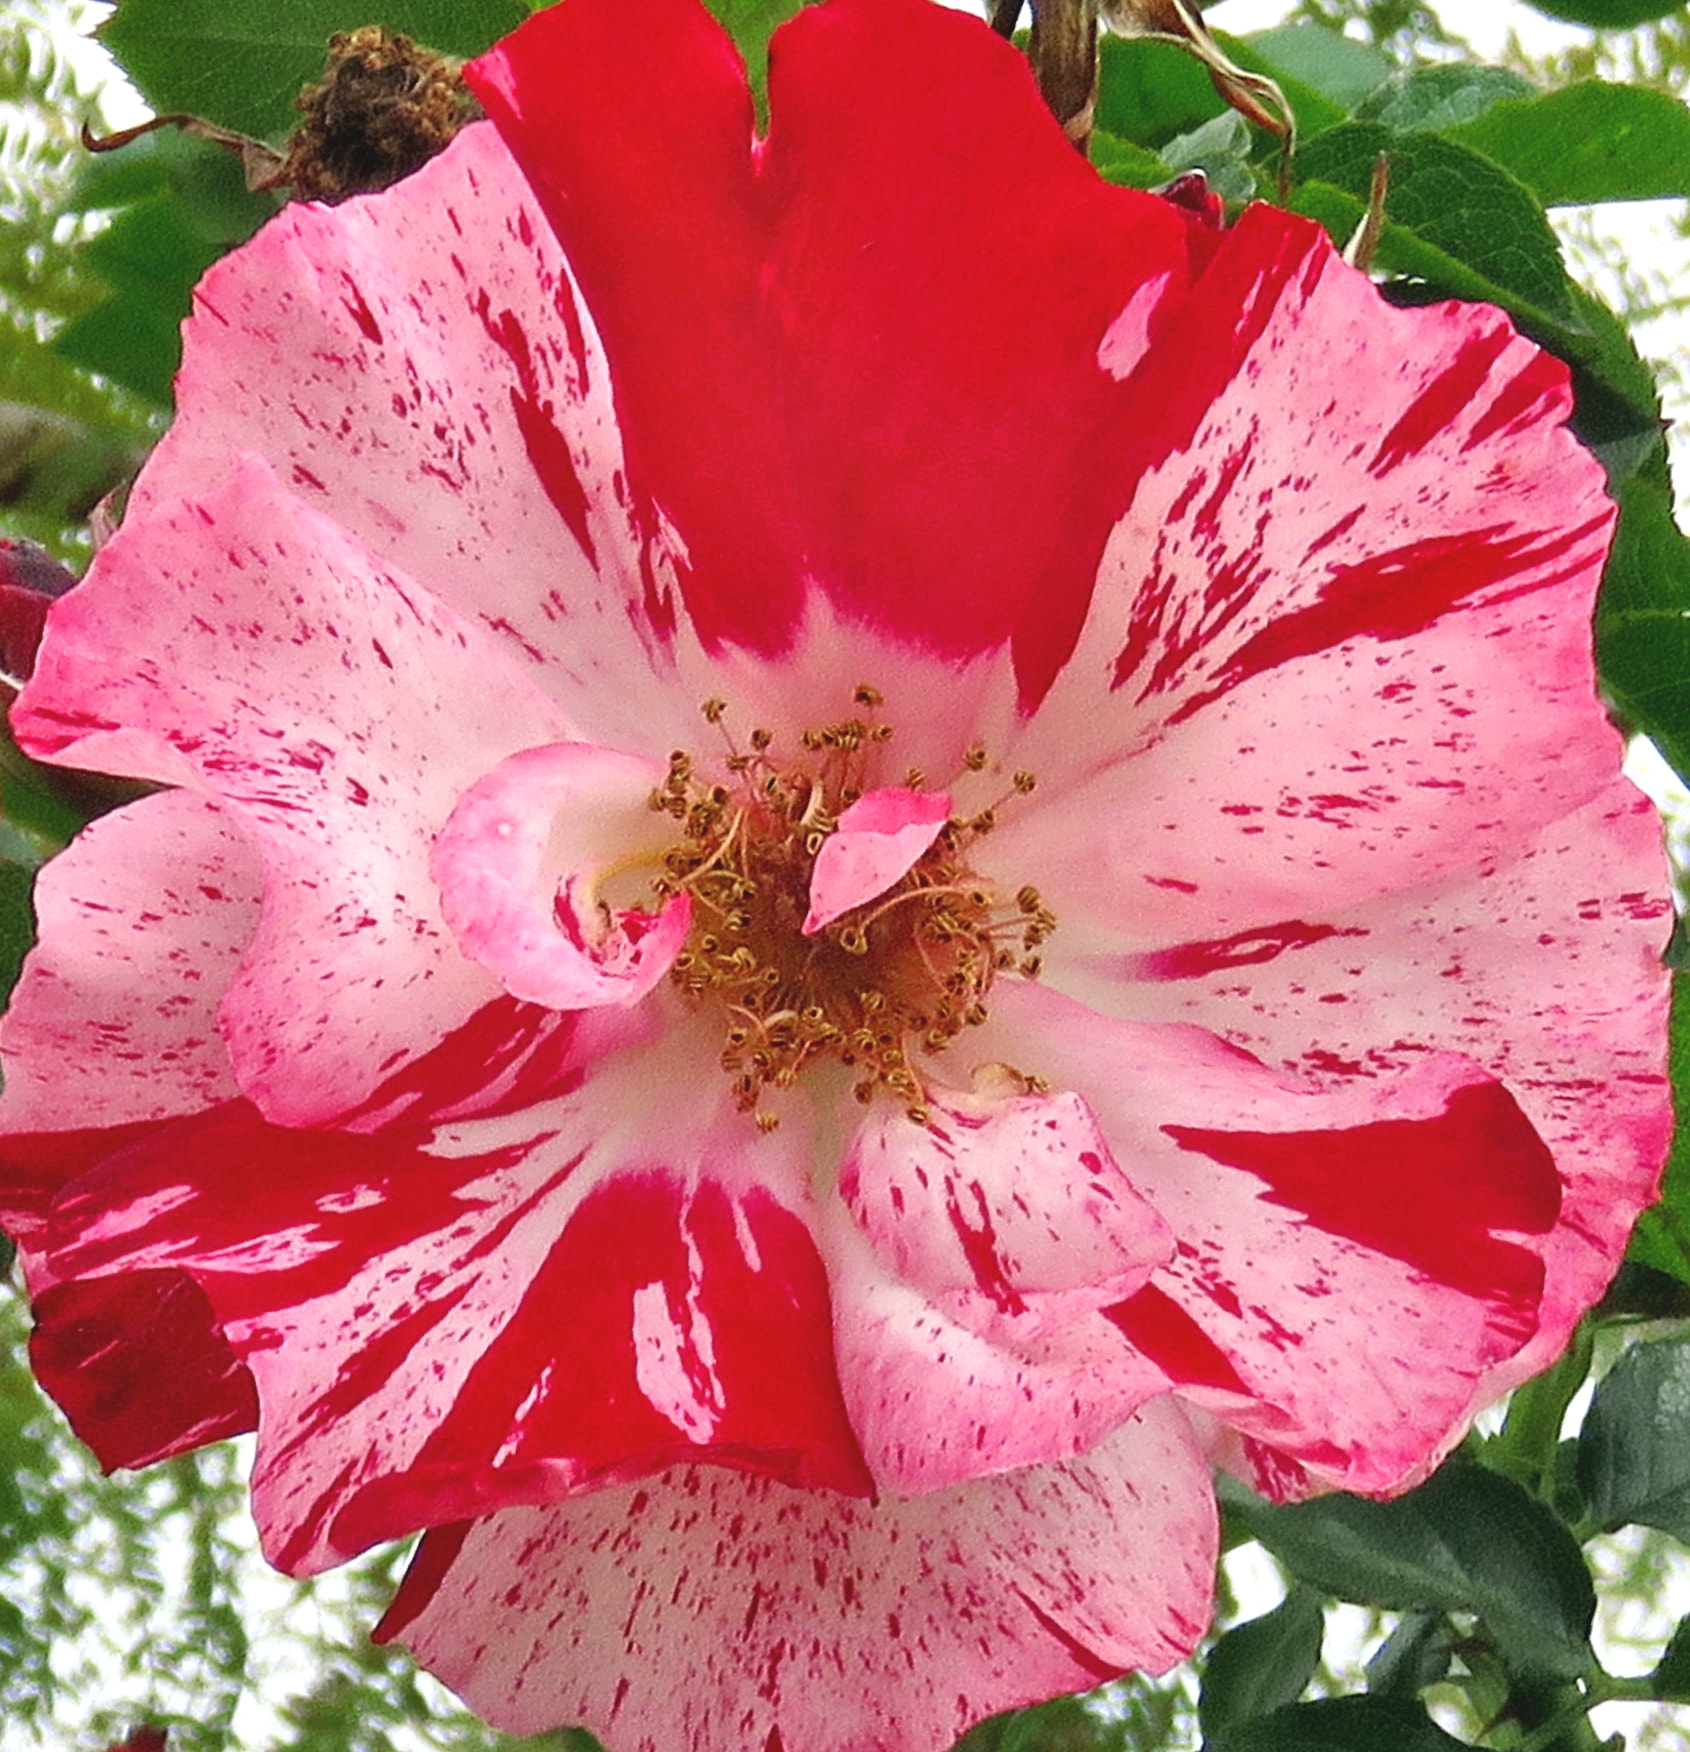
{"type": "Point", "coordinates": [243, 646]}
{"type": "Point", "coordinates": [803, 1620]}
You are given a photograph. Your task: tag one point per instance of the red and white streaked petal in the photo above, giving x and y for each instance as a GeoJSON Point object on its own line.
{"type": "Point", "coordinates": [336, 712]}
{"type": "Point", "coordinates": [1201, 767]}
{"type": "Point", "coordinates": [1545, 968]}
{"type": "Point", "coordinates": [542, 1299]}
{"type": "Point", "coordinates": [1376, 1225]}
{"type": "Point", "coordinates": [421, 368]}
{"type": "Point", "coordinates": [142, 922]}
{"type": "Point", "coordinates": [1006, 1210]}
{"type": "Point", "coordinates": [520, 863]}
{"type": "Point", "coordinates": [936, 1403]}
{"type": "Point", "coordinates": [877, 841]}
{"type": "Point", "coordinates": [806, 400]}
{"type": "Point", "coordinates": [803, 1620]}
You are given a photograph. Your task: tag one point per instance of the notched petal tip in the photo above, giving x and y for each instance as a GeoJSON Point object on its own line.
{"type": "Point", "coordinates": [521, 863]}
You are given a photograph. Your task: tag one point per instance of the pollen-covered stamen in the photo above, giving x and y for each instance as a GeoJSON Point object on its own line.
{"type": "Point", "coordinates": [874, 987]}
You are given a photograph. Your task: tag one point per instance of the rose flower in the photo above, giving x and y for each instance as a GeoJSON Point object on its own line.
{"type": "Point", "coordinates": [863, 849]}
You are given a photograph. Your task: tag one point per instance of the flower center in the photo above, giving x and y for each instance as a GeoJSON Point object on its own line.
{"type": "Point", "coordinates": [887, 981]}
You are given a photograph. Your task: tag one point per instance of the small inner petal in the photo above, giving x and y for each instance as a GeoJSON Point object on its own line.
{"type": "Point", "coordinates": [521, 864]}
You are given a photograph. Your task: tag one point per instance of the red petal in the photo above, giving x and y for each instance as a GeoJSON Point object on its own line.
{"type": "Point", "coordinates": [860, 376]}
{"type": "Point", "coordinates": [140, 1366]}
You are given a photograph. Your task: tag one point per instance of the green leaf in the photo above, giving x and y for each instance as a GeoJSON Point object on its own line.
{"type": "Point", "coordinates": [1262, 1665]}
{"type": "Point", "coordinates": [751, 23]}
{"type": "Point", "coordinates": [1338, 67]}
{"type": "Point", "coordinates": [1416, 1654]}
{"type": "Point", "coordinates": [1617, 405]}
{"type": "Point", "coordinates": [1221, 150]}
{"type": "Point", "coordinates": [1606, 14]}
{"type": "Point", "coordinates": [1149, 92]}
{"type": "Point", "coordinates": [241, 63]}
{"type": "Point", "coordinates": [1435, 273]}
{"type": "Point", "coordinates": [17, 922]}
{"type": "Point", "coordinates": [1662, 1235]}
{"type": "Point", "coordinates": [1466, 1540]}
{"type": "Point", "coordinates": [1589, 142]}
{"type": "Point", "coordinates": [152, 257]}
{"type": "Point", "coordinates": [1670, 1680]}
{"type": "Point", "coordinates": [180, 205]}
{"type": "Point", "coordinates": [1346, 1724]}
{"type": "Point", "coordinates": [1634, 1448]}
{"type": "Point", "coordinates": [1133, 167]}
{"type": "Point", "coordinates": [1643, 621]}
{"type": "Point", "coordinates": [1431, 99]}
{"type": "Point", "coordinates": [1450, 197]}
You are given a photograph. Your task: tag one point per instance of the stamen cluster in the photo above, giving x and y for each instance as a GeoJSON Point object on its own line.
{"type": "Point", "coordinates": [902, 975]}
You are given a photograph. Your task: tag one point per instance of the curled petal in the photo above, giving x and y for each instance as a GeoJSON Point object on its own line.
{"type": "Point", "coordinates": [143, 920]}
{"type": "Point", "coordinates": [803, 1620]}
{"type": "Point", "coordinates": [876, 842]}
{"type": "Point", "coordinates": [519, 866]}
{"type": "Point", "coordinates": [1400, 1206]}
{"type": "Point", "coordinates": [1007, 1211]}
{"type": "Point", "coordinates": [140, 1366]}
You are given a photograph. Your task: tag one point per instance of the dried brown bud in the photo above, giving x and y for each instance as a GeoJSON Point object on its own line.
{"type": "Point", "coordinates": [383, 108]}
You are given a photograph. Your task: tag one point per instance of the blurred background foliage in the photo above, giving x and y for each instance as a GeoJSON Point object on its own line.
{"type": "Point", "coordinates": [141, 1601]}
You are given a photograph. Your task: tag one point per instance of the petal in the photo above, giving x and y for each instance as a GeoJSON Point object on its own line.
{"type": "Point", "coordinates": [877, 391]}
{"type": "Point", "coordinates": [1287, 698]}
{"type": "Point", "coordinates": [876, 842]}
{"type": "Point", "coordinates": [336, 714]}
{"type": "Point", "coordinates": [519, 865]}
{"type": "Point", "coordinates": [141, 923]}
{"type": "Point", "coordinates": [1005, 1210]}
{"type": "Point", "coordinates": [1545, 968]}
{"type": "Point", "coordinates": [589, 1288]}
{"type": "Point", "coordinates": [139, 1366]}
{"type": "Point", "coordinates": [1352, 1256]}
{"type": "Point", "coordinates": [420, 369]}
{"type": "Point", "coordinates": [935, 1404]}
{"type": "Point", "coordinates": [807, 1621]}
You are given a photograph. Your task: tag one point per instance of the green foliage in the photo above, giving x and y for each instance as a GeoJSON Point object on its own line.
{"type": "Point", "coordinates": [1662, 1236]}
{"type": "Point", "coordinates": [1468, 1540]}
{"type": "Point", "coordinates": [1454, 200]}
{"type": "Point", "coordinates": [65, 438]}
{"type": "Point", "coordinates": [1606, 14]}
{"type": "Point", "coordinates": [751, 23]}
{"type": "Point", "coordinates": [241, 63]}
{"type": "Point", "coordinates": [1261, 1666]}
{"type": "Point", "coordinates": [1430, 99]}
{"type": "Point", "coordinates": [1588, 142]}
{"type": "Point", "coordinates": [1634, 1461]}
{"type": "Point", "coordinates": [1343, 1724]}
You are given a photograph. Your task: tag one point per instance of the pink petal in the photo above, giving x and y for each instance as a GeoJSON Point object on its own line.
{"type": "Point", "coordinates": [337, 715]}
{"type": "Point", "coordinates": [1286, 697]}
{"type": "Point", "coordinates": [1543, 967]}
{"type": "Point", "coordinates": [1006, 1211]}
{"type": "Point", "coordinates": [808, 1621]}
{"type": "Point", "coordinates": [142, 922]}
{"type": "Point", "coordinates": [544, 1299]}
{"type": "Point", "coordinates": [876, 842]}
{"type": "Point", "coordinates": [861, 376]}
{"type": "Point", "coordinates": [1353, 1256]}
{"type": "Point", "coordinates": [935, 1403]}
{"type": "Point", "coordinates": [519, 863]}
{"type": "Point", "coordinates": [420, 369]}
